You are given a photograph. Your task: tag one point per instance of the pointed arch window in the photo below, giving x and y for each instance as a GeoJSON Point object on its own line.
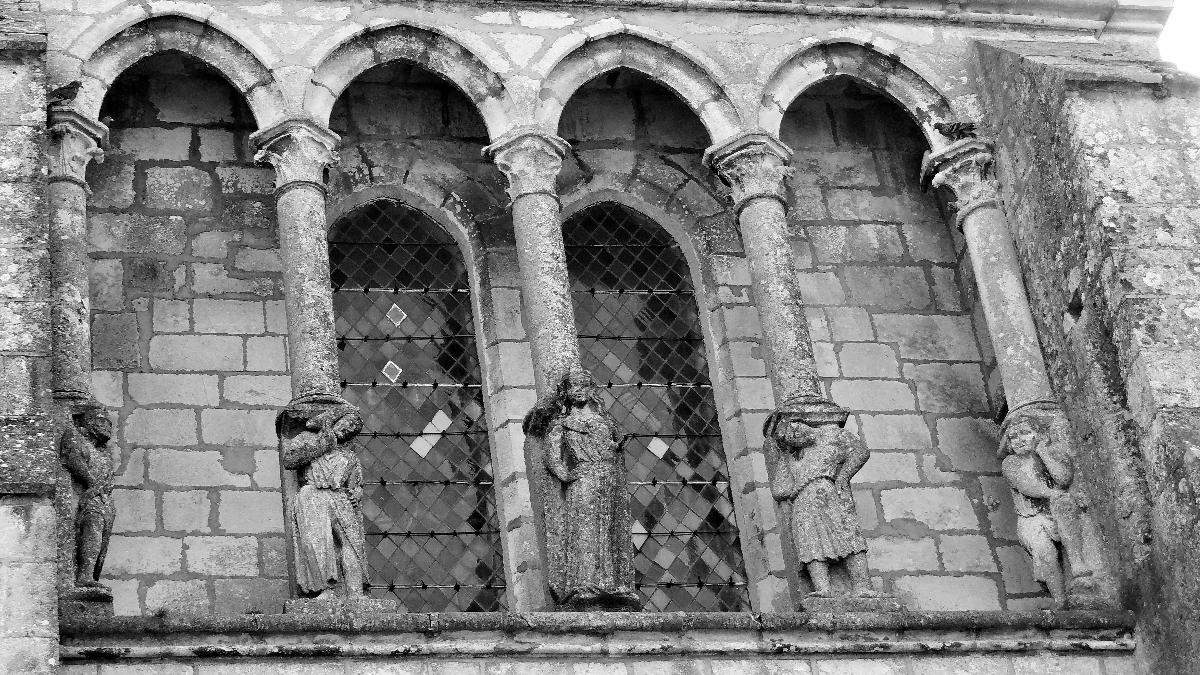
{"type": "Point", "coordinates": [639, 333]}
{"type": "Point", "coordinates": [409, 361]}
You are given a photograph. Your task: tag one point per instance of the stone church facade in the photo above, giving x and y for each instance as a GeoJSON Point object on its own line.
{"type": "Point", "coordinates": [283, 281]}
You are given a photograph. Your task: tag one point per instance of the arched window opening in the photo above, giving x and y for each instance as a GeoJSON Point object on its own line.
{"type": "Point", "coordinates": [639, 334]}
{"type": "Point", "coordinates": [408, 359]}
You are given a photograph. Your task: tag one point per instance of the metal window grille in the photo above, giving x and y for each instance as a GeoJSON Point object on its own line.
{"type": "Point", "coordinates": [639, 334]}
{"type": "Point", "coordinates": [408, 359]}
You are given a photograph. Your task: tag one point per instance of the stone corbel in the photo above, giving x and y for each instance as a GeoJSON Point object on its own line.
{"type": "Point", "coordinates": [967, 168]}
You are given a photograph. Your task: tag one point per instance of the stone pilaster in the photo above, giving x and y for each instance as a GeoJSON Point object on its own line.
{"type": "Point", "coordinates": [301, 151]}
{"type": "Point", "coordinates": [754, 165]}
{"type": "Point", "coordinates": [966, 168]}
{"type": "Point", "coordinates": [530, 159]}
{"type": "Point", "coordinates": [74, 142]}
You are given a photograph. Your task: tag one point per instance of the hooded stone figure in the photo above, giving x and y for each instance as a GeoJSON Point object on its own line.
{"type": "Point", "coordinates": [86, 458]}
{"type": "Point", "coordinates": [585, 499]}
{"type": "Point", "coordinates": [315, 435]}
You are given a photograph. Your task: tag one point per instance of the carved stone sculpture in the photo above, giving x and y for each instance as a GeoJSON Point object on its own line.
{"type": "Point", "coordinates": [87, 461]}
{"type": "Point", "coordinates": [815, 460]}
{"type": "Point", "coordinates": [585, 500]}
{"type": "Point", "coordinates": [315, 436]}
{"type": "Point", "coordinates": [1037, 461]}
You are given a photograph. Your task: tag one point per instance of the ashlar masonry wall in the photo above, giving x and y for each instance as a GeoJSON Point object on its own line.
{"type": "Point", "coordinates": [188, 344]}
{"type": "Point", "coordinates": [897, 342]}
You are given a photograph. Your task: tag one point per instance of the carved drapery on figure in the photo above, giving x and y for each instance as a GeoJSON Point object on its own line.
{"type": "Point", "coordinates": [585, 500]}
{"type": "Point", "coordinates": [1039, 465]}
{"type": "Point", "coordinates": [87, 510]}
{"type": "Point", "coordinates": [315, 437]}
{"type": "Point", "coordinates": [815, 460]}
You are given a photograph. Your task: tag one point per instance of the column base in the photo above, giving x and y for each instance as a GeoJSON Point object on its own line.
{"type": "Point", "coordinates": [343, 605]}
{"type": "Point", "coordinates": [86, 600]}
{"type": "Point", "coordinates": [842, 604]}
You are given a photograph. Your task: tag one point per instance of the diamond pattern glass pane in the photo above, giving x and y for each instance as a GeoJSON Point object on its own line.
{"type": "Point", "coordinates": [408, 359]}
{"type": "Point", "coordinates": [639, 334]}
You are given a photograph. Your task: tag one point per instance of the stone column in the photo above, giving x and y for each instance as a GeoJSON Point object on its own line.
{"type": "Point", "coordinates": [754, 165]}
{"type": "Point", "coordinates": [530, 158]}
{"type": "Point", "coordinates": [301, 151]}
{"type": "Point", "coordinates": [74, 142]}
{"type": "Point", "coordinates": [1035, 445]}
{"type": "Point", "coordinates": [965, 167]}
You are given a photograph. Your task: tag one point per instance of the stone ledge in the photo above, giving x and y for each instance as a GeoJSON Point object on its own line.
{"type": "Point", "coordinates": [592, 634]}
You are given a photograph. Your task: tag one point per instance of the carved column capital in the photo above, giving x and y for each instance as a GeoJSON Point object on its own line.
{"type": "Point", "coordinates": [299, 149]}
{"type": "Point", "coordinates": [753, 164]}
{"type": "Point", "coordinates": [530, 158]}
{"type": "Point", "coordinates": [74, 142]}
{"type": "Point", "coordinates": [967, 168]}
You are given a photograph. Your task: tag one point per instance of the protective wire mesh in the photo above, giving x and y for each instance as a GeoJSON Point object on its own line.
{"type": "Point", "coordinates": [408, 359]}
{"type": "Point", "coordinates": [639, 334]}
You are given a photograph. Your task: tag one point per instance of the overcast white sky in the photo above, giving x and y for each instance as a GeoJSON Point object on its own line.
{"type": "Point", "coordinates": [1180, 40]}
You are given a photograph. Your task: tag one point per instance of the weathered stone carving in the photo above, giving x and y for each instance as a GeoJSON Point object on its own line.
{"type": "Point", "coordinates": [585, 500]}
{"type": "Point", "coordinates": [87, 460]}
{"type": "Point", "coordinates": [1037, 462]}
{"type": "Point", "coordinates": [815, 460]}
{"type": "Point", "coordinates": [315, 434]}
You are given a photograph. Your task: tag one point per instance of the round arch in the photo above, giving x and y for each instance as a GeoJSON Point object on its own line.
{"type": "Point", "coordinates": [665, 65]}
{"type": "Point", "coordinates": [425, 47]}
{"type": "Point", "coordinates": [186, 35]}
{"type": "Point", "coordinates": [843, 58]}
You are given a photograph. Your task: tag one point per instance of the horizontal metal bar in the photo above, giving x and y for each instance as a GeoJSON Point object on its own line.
{"type": "Point", "coordinates": [455, 533]}
{"type": "Point", "coordinates": [417, 434]}
{"type": "Point", "coordinates": [402, 338]}
{"type": "Point", "coordinates": [405, 384]}
{"type": "Point", "coordinates": [650, 338]}
{"type": "Point", "coordinates": [401, 244]}
{"type": "Point", "coordinates": [696, 584]}
{"type": "Point", "coordinates": [664, 385]}
{"type": "Point", "coordinates": [396, 290]}
{"type": "Point", "coordinates": [655, 245]}
{"type": "Point", "coordinates": [634, 291]}
{"type": "Point", "coordinates": [677, 482]}
{"type": "Point", "coordinates": [427, 482]}
{"type": "Point", "coordinates": [389, 587]}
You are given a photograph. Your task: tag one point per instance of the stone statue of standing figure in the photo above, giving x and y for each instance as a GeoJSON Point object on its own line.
{"type": "Point", "coordinates": [328, 539]}
{"type": "Point", "coordinates": [585, 499]}
{"type": "Point", "coordinates": [1037, 461]}
{"type": "Point", "coordinates": [815, 460]}
{"type": "Point", "coordinates": [87, 460]}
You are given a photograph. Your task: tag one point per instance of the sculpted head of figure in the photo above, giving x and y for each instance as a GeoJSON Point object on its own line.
{"type": "Point", "coordinates": [93, 420]}
{"type": "Point", "coordinates": [801, 420]}
{"type": "Point", "coordinates": [1031, 427]}
{"type": "Point", "coordinates": [578, 387]}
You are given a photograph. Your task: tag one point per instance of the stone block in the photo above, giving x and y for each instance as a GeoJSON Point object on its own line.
{"type": "Point", "coordinates": [742, 322]}
{"type": "Point", "coordinates": [884, 467]}
{"type": "Point", "coordinates": [136, 233]}
{"type": "Point", "coordinates": [273, 390]}
{"type": "Point", "coordinates": [836, 168]}
{"type": "Point", "coordinates": [151, 388]}
{"type": "Point", "coordinates": [949, 593]}
{"type": "Point", "coordinates": [824, 359]}
{"type": "Point", "coordinates": [258, 260]}
{"type": "Point", "coordinates": [998, 498]}
{"type": "Point", "coordinates": [938, 508]}
{"type": "Point", "coordinates": [238, 427]}
{"type": "Point", "coordinates": [30, 655]}
{"type": "Point", "coordinates": [183, 597]}
{"type": "Point", "coordinates": [160, 426]}
{"type": "Point", "coordinates": [250, 511]}
{"type": "Point", "coordinates": [196, 352]}
{"type": "Point", "coordinates": [214, 279]}
{"type": "Point", "coordinates": [1016, 572]}
{"type": "Point", "coordinates": [929, 241]}
{"type": "Point", "coordinates": [27, 529]}
{"type": "Point", "coordinates": [970, 443]}
{"type": "Point", "coordinates": [143, 555]}
{"type": "Point", "coordinates": [111, 183]}
{"type": "Point", "coordinates": [850, 323]}
{"type": "Point", "coordinates": [274, 556]}
{"type": "Point", "coordinates": [186, 511]}
{"type": "Point", "coordinates": [878, 395]}
{"type": "Point", "coordinates": [890, 554]}
{"type": "Point", "coordinates": [873, 666]}
{"type": "Point", "coordinates": [182, 188]}
{"type": "Point", "coordinates": [949, 387]}
{"type": "Point", "coordinates": [966, 553]}
{"type": "Point", "coordinates": [125, 596]}
{"type": "Point", "coordinates": [266, 468]}
{"type": "Point", "coordinates": [946, 296]}
{"type": "Point", "coordinates": [820, 288]}
{"type": "Point", "coordinates": [135, 511]}
{"type": "Point", "coordinates": [246, 180]}
{"type": "Point", "coordinates": [1061, 664]}
{"type": "Point", "coordinates": [192, 468]}
{"type": "Point", "coordinates": [266, 354]}
{"type": "Point", "coordinates": [154, 143]}
{"type": "Point", "coordinates": [108, 386]}
{"type": "Point", "coordinates": [929, 337]}
{"type": "Point", "coordinates": [276, 317]}
{"type": "Point", "coordinates": [887, 287]}
{"type": "Point", "coordinates": [115, 340]}
{"type": "Point", "coordinates": [754, 393]}
{"type": "Point", "coordinates": [747, 359]}
{"type": "Point", "coordinates": [259, 596]}
{"type": "Point", "coordinates": [228, 316]}
{"type": "Point", "coordinates": [172, 316]}
{"type": "Point", "coordinates": [214, 244]}
{"type": "Point", "coordinates": [107, 281]}
{"type": "Point", "coordinates": [868, 359]}
{"type": "Point", "coordinates": [191, 100]}
{"type": "Point", "coordinates": [884, 432]}
{"type": "Point", "coordinates": [217, 145]}
{"type": "Point", "coordinates": [221, 556]}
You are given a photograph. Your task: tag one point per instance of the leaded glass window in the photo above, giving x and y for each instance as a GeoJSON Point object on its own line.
{"type": "Point", "coordinates": [639, 335]}
{"type": "Point", "coordinates": [408, 359]}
